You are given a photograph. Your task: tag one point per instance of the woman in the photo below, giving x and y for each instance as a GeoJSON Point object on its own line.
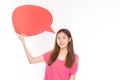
{"type": "Point", "coordinates": [61, 62]}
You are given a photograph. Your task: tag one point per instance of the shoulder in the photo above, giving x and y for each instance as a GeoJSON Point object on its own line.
{"type": "Point", "coordinates": [47, 55]}
{"type": "Point", "coordinates": [77, 58]}
{"type": "Point", "coordinates": [48, 52]}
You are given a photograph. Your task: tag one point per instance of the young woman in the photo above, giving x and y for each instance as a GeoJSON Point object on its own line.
{"type": "Point", "coordinates": [61, 62]}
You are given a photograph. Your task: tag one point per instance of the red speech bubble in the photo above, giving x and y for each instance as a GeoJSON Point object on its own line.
{"type": "Point", "coordinates": [31, 20]}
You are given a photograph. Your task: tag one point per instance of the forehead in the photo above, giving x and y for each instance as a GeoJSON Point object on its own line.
{"type": "Point", "coordinates": [61, 34]}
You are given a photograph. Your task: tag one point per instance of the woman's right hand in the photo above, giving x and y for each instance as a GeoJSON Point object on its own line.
{"type": "Point", "coordinates": [21, 37]}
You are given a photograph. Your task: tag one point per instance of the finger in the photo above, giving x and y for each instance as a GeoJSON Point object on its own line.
{"type": "Point", "coordinates": [22, 34]}
{"type": "Point", "coordinates": [19, 35]}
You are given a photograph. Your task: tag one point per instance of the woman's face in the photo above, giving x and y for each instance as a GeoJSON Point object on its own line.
{"type": "Point", "coordinates": [62, 40]}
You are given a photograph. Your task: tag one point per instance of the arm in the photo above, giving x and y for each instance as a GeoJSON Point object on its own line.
{"type": "Point", "coordinates": [29, 56]}
{"type": "Point", "coordinates": [72, 77]}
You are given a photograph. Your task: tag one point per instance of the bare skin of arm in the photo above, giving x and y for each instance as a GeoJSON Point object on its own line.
{"type": "Point", "coordinates": [72, 77]}
{"type": "Point", "coordinates": [31, 59]}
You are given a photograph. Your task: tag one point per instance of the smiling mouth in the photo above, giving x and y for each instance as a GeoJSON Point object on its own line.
{"type": "Point", "coordinates": [61, 43]}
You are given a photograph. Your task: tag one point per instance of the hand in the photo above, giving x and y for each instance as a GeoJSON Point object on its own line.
{"type": "Point", "coordinates": [21, 37]}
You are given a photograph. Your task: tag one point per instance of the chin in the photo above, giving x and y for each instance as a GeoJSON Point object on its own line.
{"type": "Point", "coordinates": [62, 47]}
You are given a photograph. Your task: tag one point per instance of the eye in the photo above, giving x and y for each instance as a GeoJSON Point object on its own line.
{"type": "Point", "coordinates": [58, 37]}
{"type": "Point", "coordinates": [64, 37]}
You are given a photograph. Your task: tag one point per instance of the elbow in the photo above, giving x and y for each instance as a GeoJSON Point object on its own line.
{"type": "Point", "coordinates": [31, 62]}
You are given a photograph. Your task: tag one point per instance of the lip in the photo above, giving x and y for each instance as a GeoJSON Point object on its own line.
{"type": "Point", "coordinates": [61, 44]}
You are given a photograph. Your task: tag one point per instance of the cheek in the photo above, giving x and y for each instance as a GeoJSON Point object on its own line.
{"type": "Point", "coordinates": [66, 41]}
{"type": "Point", "coordinates": [58, 41]}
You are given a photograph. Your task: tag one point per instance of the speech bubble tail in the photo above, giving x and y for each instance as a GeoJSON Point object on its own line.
{"type": "Point", "coordinates": [50, 30]}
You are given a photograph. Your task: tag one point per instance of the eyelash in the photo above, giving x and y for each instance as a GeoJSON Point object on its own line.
{"type": "Point", "coordinates": [63, 38]}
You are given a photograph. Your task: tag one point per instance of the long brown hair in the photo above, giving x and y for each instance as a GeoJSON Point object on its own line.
{"type": "Point", "coordinates": [70, 58]}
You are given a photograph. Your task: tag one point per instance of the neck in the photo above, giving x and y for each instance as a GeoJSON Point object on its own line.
{"type": "Point", "coordinates": [62, 54]}
{"type": "Point", "coordinates": [63, 50]}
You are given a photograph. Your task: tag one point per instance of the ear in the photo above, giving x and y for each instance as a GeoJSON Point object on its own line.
{"type": "Point", "coordinates": [69, 39]}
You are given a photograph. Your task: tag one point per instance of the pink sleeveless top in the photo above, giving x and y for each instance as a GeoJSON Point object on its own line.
{"type": "Point", "coordinates": [58, 71]}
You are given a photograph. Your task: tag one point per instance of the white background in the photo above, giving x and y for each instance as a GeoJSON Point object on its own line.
{"type": "Point", "coordinates": [94, 25]}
